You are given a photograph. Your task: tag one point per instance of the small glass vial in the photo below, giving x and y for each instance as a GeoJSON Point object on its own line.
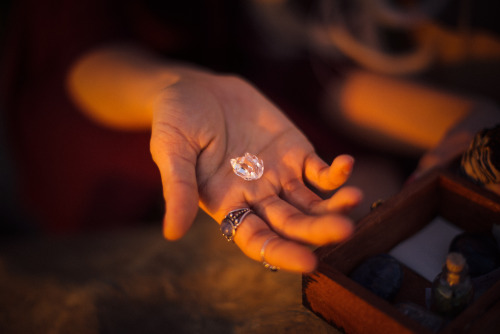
{"type": "Point", "coordinates": [452, 289]}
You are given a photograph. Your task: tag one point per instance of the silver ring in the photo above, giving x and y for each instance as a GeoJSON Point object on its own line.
{"type": "Point", "coordinates": [231, 222]}
{"type": "Point", "coordinates": [263, 252]}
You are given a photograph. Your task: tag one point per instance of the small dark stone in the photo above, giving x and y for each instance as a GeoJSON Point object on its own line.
{"type": "Point", "coordinates": [226, 227]}
{"type": "Point", "coordinates": [421, 315]}
{"type": "Point", "coordinates": [381, 274]}
{"type": "Point", "coordinates": [480, 251]}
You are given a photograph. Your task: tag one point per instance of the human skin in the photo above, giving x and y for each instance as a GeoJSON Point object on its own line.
{"type": "Point", "coordinates": [200, 120]}
{"type": "Point", "coordinates": [411, 118]}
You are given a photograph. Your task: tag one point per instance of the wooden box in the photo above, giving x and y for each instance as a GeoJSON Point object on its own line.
{"type": "Point", "coordinates": [351, 308]}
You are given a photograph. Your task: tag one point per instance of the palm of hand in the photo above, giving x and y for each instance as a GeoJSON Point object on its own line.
{"type": "Point", "coordinates": [227, 118]}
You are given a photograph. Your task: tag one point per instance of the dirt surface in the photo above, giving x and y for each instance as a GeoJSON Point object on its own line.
{"type": "Point", "coordinates": [133, 281]}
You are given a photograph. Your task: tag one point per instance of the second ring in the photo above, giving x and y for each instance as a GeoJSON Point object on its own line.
{"type": "Point", "coordinates": [263, 253]}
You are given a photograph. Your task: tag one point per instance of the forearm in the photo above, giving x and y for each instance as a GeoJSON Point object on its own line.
{"type": "Point", "coordinates": [117, 86]}
{"type": "Point", "coordinates": [482, 114]}
{"type": "Point", "coordinates": [400, 114]}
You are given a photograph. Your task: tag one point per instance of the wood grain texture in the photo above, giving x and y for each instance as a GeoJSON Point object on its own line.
{"type": "Point", "coordinates": [350, 307]}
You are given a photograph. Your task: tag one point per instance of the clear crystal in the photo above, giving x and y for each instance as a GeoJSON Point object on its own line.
{"type": "Point", "coordinates": [248, 167]}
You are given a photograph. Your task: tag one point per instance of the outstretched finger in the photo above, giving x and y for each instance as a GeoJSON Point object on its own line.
{"type": "Point", "coordinates": [178, 174]}
{"type": "Point", "coordinates": [324, 177]}
{"type": "Point", "coordinates": [293, 224]}
{"type": "Point", "coordinates": [343, 201]}
{"type": "Point", "coordinates": [259, 242]}
{"type": "Point", "coordinates": [299, 195]}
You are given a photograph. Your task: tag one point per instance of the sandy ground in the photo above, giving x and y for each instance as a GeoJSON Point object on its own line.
{"type": "Point", "coordinates": [133, 281]}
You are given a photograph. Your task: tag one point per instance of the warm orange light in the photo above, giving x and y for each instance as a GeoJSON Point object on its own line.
{"type": "Point", "coordinates": [454, 46]}
{"type": "Point", "coordinates": [118, 86]}
{"type": "Point", "coordinates": [401, 110]}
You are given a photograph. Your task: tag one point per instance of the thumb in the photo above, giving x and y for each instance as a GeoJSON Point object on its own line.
{"type": "Point", "coordinates": [177, 166]}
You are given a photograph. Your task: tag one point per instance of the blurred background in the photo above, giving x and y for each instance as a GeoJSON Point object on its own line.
{"type": "Point", "coordinates": [318, 60]}
{"type": "Point", "coordinates": [357, 76]}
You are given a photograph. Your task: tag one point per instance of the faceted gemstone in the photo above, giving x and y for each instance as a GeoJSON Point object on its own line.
{"type": "Point", "coordinates": [227, 228]}
{"type": "Point", "coordinates": [248, 167]}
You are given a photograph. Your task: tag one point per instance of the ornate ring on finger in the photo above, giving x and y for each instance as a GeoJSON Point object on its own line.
{"type": "Point", "coordinates": [232, 221]}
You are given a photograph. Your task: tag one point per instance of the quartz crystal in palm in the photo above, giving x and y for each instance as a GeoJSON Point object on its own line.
{"type": "Point", "coordinates": [248, 167]}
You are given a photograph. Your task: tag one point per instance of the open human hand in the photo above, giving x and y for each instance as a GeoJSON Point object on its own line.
{"type": "Point", "coordinates": [200, 123]}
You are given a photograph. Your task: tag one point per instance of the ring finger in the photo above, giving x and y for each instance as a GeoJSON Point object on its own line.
{"type": "Point", "coordinates": [252, 235]}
